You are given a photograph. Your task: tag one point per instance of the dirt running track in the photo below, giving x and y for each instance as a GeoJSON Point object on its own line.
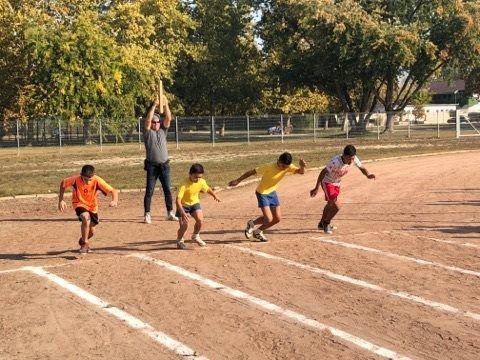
{"type": "Point", "coordinates": [410, 284]}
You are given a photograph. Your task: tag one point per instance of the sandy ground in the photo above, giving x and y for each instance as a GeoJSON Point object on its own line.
{"type": "Point", "coordinates": [423, 208]}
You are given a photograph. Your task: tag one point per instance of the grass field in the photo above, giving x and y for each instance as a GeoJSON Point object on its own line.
{"type": "Point", "coordinates": [39, 170]}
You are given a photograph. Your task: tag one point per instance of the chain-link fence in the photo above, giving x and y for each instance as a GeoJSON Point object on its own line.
{"type": "Point", "coordinates": [218, 129]}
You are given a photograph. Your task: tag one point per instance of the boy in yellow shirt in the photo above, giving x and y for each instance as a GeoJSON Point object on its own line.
{"type": "Point", "coordinates": [188, 203]}
{"type": "Point", "coordinates": [266, 193]}
{"type": "Point", "coordinates": [84, 201]}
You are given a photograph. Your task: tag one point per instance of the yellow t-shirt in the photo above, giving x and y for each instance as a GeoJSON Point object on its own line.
{"type": "Point", "coordinates": [271, 176]}
{"type": "Point", "coordinates": [190, 190]}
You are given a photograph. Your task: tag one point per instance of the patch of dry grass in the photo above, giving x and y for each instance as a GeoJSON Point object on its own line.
{"type": "Point", "coordinates": [40, 170]}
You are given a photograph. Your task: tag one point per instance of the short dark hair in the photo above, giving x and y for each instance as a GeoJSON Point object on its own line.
{"type": "Point", "coordinates": [88, 171]}
{"type": "Point", "coordinates": [349, 150]}
{"type": "Point", "coordinates": [196, 169]}
{"type": "Point", "coordinates": [285, 158]}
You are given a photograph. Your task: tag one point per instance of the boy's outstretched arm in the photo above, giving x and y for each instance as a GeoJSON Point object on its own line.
{"type": "Point", "coordinates": [211, 192]}
{"type": "Point", "coordinates": [62, 205]}
{"type": "Point", "coordinates": [241, 178]}
{"type": "Point", "coordinates": [366, 173]}
{"type": "Point", "coordinates": [303, 165]}
{"type": "Point", "coordinates": [322, 174]}
{"type": "Point", "coordinates": [114, 201]}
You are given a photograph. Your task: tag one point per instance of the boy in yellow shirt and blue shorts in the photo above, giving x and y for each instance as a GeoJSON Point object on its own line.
{"type": "Point", "coordinates": [266, 193]}
{"type": "Point", "coordinates": [188, 204]}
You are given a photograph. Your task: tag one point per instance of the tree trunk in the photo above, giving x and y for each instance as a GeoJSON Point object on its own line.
{"type": "Point", "coordinates": [345, 123]}
{"type": "Point", "coordinates": [221, 132]}
{"type": "Point", "coordinates": [389, 122]}
{"type": "Point", "coordinates": [87, 131]}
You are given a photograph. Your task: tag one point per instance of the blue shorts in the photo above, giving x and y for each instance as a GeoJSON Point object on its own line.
{"type": "Point", "coordinates": [189, 209]}
{"type": "Point", "coordinates": [267, 200]}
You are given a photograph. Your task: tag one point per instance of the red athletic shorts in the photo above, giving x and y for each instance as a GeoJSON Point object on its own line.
{"type": "Point", "coordinates": [331, 191]}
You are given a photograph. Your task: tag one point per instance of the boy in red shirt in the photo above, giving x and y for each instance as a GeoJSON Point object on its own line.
{"type": "Point", "coordinates": [84, 201]}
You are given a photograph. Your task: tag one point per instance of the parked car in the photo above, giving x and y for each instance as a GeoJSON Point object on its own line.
{"type": "Point", "coordinates": [453, 120]}
{"type": "Point", "coordinates": [275, 130]}
{"type": "Point", "coordinates": [55, 133]}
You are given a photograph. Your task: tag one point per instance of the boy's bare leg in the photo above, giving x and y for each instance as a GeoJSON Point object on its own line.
{"type": "Point", "coordinates": [91, 231]}
{"type": "Point", "coordinates": [266, 218]}
{"type": "Point", "coordinates": [258, 221]}
{"type": "Point", "coordinates": [183, 226]}
{"type": "Point", "coordinates": [273, 215]}
{"type": "Point", "coordinates": [198, 216]}
{"type": "Point", "coordinates": [333, 208]}
{"type": "Point", "coordinates": [85, 226]}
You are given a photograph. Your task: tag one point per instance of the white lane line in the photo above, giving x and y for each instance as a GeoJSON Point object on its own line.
{"type": "Point", "coordinates": [399, 257]}
{"type": "Point", "coordinates": [292, 315]}
{"type": "Point", "coordinates": [442, 241]}
{"type": "Point", "coordinates": [57, 265]}
{"type": "Point", "coordinates": [11, 270]}
{"type": "Point", "coordinates": [158, 336]}
{"type": "Point", "coordinates": [361, 283]}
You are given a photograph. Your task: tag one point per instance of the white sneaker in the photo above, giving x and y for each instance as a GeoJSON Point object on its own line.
{"type": "Point", "coordinates": [249, 229]}
{"type": "Point", "coordinates": [171, 216]}
{"type": "Point", "coordinates": [147, 218]}
{"type": "Point", "coordinates": [181, 244]}
{"type": "Point", "coordinates": [259, 236]}
{"type": "Point", "coordinates": [198, 240]}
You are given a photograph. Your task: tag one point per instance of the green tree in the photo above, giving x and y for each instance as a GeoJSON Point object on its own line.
{"type": "Point", "coordinates": [14, 74]}
{"type": "Point", "coordinates": [304, 101]}
{"type": "Point", "coordinates": [370, 51]}
{"type": "Point", "coordinates": [221, 71]}
{"type": "Point", "coordinates": [150, 35]}
{"type": "Point", "coordinates": [82, 59]}
{"type": "Point", "coordinates": [419, 100]}
{"type": "Point", "coordinates": [472, 82]}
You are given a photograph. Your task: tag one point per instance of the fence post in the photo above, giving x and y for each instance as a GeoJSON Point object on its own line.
{"type": "Point", "coordinates": [101, 140]}
{"type": "Point", "coordinates": [213, 130]}
{"type": "Point", "coordinates": [409, 126]}
{"type": "Point", "coordinates": [176, 132]}
{"type": "Point", "coordinates": [139, 135]}
{"type": "Point", "coordinates": [281, 125]}
{"type": "Point", "coordinates": [378, 127]}
{"type": "Point", "coordinates": [248, 129]}
{"type": "Point", "coordinates": [346, 123]}
{"type": "Point", "coordinates": [438, 127]}
{"type": "Point", "coordinates": [60, 134]}
{"type": "Point", "coordinates": [314, 127]}
{"type": "Point", "coordinates": [18, 139]}
{"type": "Point", "coordinates": [457, 123]}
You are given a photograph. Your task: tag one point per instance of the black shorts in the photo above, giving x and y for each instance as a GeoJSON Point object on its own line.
{"type": "Point", "coordinates": [93, 216]}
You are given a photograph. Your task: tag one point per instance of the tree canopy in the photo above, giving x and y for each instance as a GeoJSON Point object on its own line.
{"type": "Point", "coordinates": [85, 59]}
{"type": "Point", "coordinates": [371, 51]}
